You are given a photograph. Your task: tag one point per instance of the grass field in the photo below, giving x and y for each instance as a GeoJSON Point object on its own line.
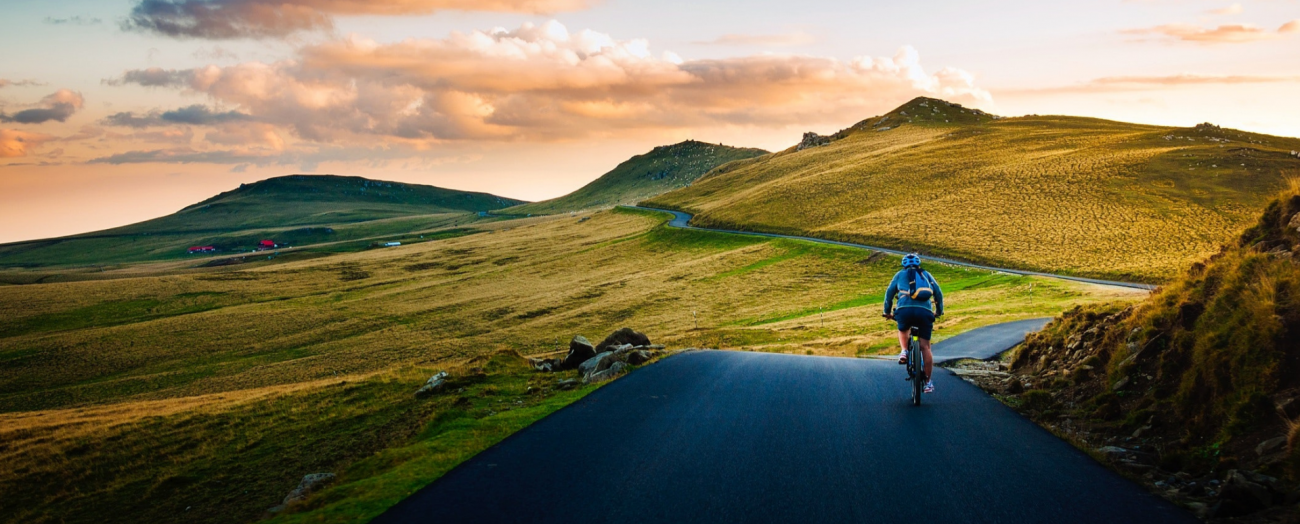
{"type": "Point", "coordinates": [662, 169]}
{"type": "Point", "coordinates": [1058, 194]}
{"type": "Point", "coordinates": [207, 395]}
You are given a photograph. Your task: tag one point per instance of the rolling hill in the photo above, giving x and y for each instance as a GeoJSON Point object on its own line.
{"type": "Point", "coordinates": [1053, 193]}
{"type": "Point", "coordinates": [294, 209]}
{"type": "Point", "coordinates": [643, 176]}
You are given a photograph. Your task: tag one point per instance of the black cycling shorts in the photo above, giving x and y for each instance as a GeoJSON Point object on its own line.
{"type": "Point", "coordinates": [917, 317]}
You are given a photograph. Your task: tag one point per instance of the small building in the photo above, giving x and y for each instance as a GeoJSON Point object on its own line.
{"type": "Point", "coordinates": [482, 213]}
{"type": "Point", "coordinates": [267, 244]}
{"type": "Point", "coordinates": [202, 249]}
{"type": "Point", "coordinates": [392, 244]}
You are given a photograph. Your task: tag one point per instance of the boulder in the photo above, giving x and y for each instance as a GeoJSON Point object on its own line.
{"type": "Point", "coordinates": [638, 357]}
{"type": "Point", "coordinates": [614, 370]}
{"type": "Point", "coordinates": [1245, 492]}
{"type": "Point", "coordinates": [597, 363]}
{"type": "Point", "coordinates": [811, 139]}
{"type": "Point", "coordinates": [545, 364]}
{"type": "Point", "coordinates": [580, 349]}
{"type": "Point", "coordinates": [1270, 445]}
{"type": "Point", "coordinates": [309, 484]}
{"type": "Point", "coordinates": [621, 337]}
{"type": "Point", "coordinates": [435, 384]}
{"type": "Point", "coordinates": [567, 383]}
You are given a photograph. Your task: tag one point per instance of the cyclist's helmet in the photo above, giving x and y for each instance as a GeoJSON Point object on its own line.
{"type": "Point", "coordinates": [911, 260]}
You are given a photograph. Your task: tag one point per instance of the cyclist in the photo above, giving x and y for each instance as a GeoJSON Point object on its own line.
{"type": "Point", "coordinates": [914, 288]}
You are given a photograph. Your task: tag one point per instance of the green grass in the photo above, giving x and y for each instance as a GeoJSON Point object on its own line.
{"type": "Point", "coordinates": [1069, 195]}
{"type": "Point", "coordinates": [643, 176]}
{"type": "Point", "coordinates": [231, 464]}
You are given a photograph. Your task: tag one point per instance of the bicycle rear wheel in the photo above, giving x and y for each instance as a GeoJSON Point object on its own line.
{"type": "Point", "coordinates": [918, 378]}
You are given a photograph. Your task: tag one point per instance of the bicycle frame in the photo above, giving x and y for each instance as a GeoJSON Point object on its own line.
{"type": "Point", "coordinates": [915, 367]}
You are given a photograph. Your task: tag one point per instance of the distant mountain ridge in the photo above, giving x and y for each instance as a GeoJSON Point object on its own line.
{"type": "Point", "coordinates": [662, 169]}
{"type": "Point", "coordinates": [298, 209]}
{"type": "Point", "coordinates": [1074, 195]}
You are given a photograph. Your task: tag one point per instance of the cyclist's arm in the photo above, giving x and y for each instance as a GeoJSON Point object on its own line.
{"type": "Point", "coordinates": [889, 296]}
{"type": "Point", "coordinates": [938, 298]}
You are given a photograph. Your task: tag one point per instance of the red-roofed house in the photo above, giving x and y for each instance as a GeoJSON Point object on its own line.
{"type": "Point", "coordinates": [266, 244]}
{"type": "Point", "coordinates": [202, 249]}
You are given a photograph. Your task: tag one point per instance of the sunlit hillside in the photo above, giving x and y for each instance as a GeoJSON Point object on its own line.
{"type": "Point", "coordinates": [643, 176]}
{"type": "Point", "coordinates": [1051, 193]}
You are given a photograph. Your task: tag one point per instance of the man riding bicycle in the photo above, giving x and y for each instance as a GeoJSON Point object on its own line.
{"type": "Point", "coordinates": [914, 287]}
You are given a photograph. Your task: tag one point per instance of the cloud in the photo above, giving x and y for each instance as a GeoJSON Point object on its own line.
{"type": "Point", "coordinates": [226, 19]}
{"type": "Point", "coordinates": [151, 77]}
{"type": "Point", "coordinates": [58, 106]}
{"type": "Point", "coordinates": [72, 20]}
{"type": "Point", "coordinates": [778, 40]}
{"type": "Point", "coordinates": [18, 83]}
{"type": "Point", "coordinates": [14, 143]}
{"type": "Point", "coordinates": [197, 114]}
{"type": "Point", "coordinates": [1140, 83]}
{"type": "Point", "coordinates": [1223, 34]}
{"type": "Point", "coordinates": [1234, 9]}
{"type": "Point", "coordinates": [183, 156]}
{"type": "Point", "coordinates": [545, 83]}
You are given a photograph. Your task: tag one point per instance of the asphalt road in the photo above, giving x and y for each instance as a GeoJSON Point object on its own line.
{"type": "Point", "coordinates": [721, 436]}
{"type": "Point", "coordinates": [682, 220]}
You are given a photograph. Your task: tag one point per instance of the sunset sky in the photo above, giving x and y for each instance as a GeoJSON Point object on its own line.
{"type": "Point", "coordinates": [116, 111]}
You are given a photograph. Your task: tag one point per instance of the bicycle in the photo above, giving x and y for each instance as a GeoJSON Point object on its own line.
{"type": "Point", "coordinates": [915, 364]}
{"type": "Point", "coordinates": [915, 367]}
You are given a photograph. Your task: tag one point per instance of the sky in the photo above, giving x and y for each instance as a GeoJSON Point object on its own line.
{"type": "Point", "coordinates": [117, 111]}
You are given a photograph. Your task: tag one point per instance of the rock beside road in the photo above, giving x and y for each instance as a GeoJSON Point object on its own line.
{"type": "Point", "coordinates": [435, 384]}
{"type": "Point", "coordinates": [624, 336]}
{"type": "Point", "coordinates": [624, 345]}
{"type": "Point", "coordinates": [309, 484]}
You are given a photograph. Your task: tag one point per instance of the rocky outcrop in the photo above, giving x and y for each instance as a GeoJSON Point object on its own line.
{"type": "Point", "coordinates": [436, 383]}
{"type": "Point", "coordinates": [308, 485]}
{"type": "Point", "coordinates": [811, 139]}
{"type": "Point", "coordinates": [580, 349]}
{"type": "Point", "coordinates": [613, 371]}
{"type": "Point", "coordinates": [624, 336]}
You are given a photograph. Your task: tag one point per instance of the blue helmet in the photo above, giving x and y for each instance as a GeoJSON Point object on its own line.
{"type": "Point", "coordinates": [911, 260]}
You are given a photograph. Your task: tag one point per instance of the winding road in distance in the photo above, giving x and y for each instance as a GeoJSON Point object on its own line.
{"type": "Point", "coordinates": [682, 220]}
{"type": "Point", "coordinates": [729, 436]}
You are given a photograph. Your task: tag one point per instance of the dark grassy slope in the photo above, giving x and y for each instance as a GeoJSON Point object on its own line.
{"type": "Point", "coordinates": [1073, 195]}
{"type": "Point", "coordinates": [643, 176]}
{"type": "Point", "coordinates": [295, 210]}
{"type": "Point", "coordinates": [1203, 372]}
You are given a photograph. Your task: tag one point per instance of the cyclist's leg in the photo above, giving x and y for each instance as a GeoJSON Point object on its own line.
{"type": "Point", "coordinates": [924, 323]}
{"type": "Point", "coordinates": [929, 357]}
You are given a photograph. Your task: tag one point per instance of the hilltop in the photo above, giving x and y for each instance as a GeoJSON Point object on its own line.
{"type": "Point", "coordinates": [293, 209]}
{"type": "Point", "coordinates": [1066, 194]}
{"type": "Point", "coordinates": [643, 176]}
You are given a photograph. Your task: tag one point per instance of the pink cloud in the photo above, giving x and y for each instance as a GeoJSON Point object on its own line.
{"type": "Point", "coordinates": [14, 143]}
{"type": "Point", "coordinates": [58, 106]}
{"type": "Point", "coordinates": [1139, 83]}
{"type": "Point", "coordinates": [542, 83]}
{"type": "Point", "coordinates": [1223, 34]}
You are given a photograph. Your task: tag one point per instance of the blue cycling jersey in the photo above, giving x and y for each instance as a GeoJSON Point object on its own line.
{"type": "Point", "coordinates": [898, 290]}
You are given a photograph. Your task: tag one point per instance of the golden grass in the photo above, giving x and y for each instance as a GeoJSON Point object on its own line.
{"type": "Point", "coordinates": [299, 355]}
{"type": "Point", "coordinates": [1057, 194]}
